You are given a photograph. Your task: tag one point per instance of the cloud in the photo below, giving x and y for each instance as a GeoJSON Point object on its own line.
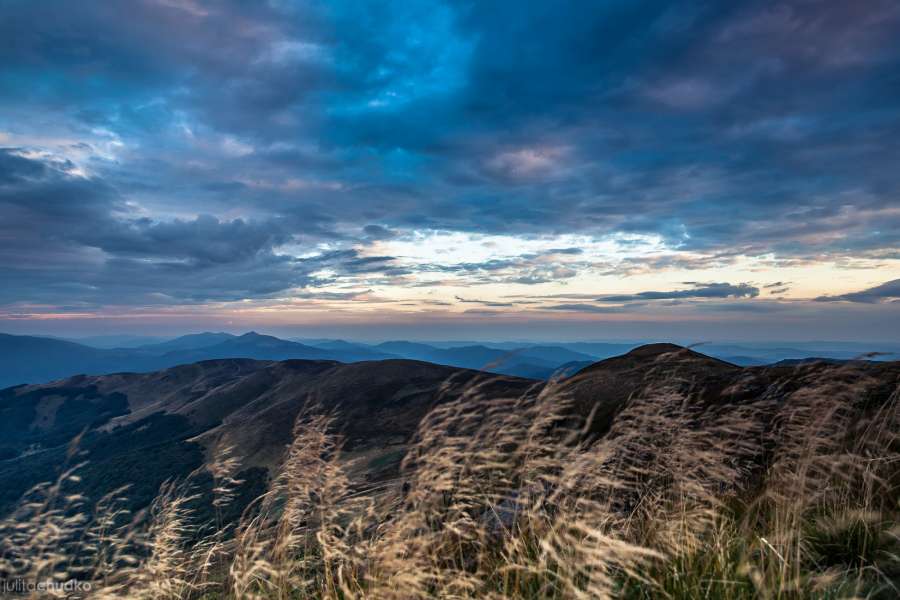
{"type": "Point", "coordinates": [583, 308]}
{"type": "Point", "coordinates": [526, 164]}
{"type": "Point", "coordinates": [572, 296]}
{"type": "Point", "coordinates": [339, 296]}
{"type": "Point", "coordinates": [484, 302]}
{"type": "Point", "coordinates": [886, 292]}
{"type": "Point", "coordinates": [200, 241]}
{"type": "Point", "coordinates": [370, 264]}
{"type": "Point", "coordinates": [65, 236]}
{"type": "Point", "coordinates": [689, 94]}
{"type": "Point", "coordinates": [527, 269]}
{"type": "Point", "coordinates": [697, 290]}
{"type": "Point", "coordinates": [377, 232]}
{"type": "Point", "coordinates": [348, 115]}
{"type": "Point", "coordinates": [250, 164]}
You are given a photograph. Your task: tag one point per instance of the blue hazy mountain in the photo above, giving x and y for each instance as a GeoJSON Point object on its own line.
{"type": "Point", "coordinates": [116, 341]}
{"type": "Point", "coordinates": [330, 344]}
{"type": "Point", "coordinates": [26, 359]}
{"type": "Point", "coordinates": [191, 341]}
{"type": "Point", "coordinates": [267, 347]}
{"type": "Point", "coordinates": [538, 362]}
{"type": "Point", "coordinates": [30, 359]}
{"type": "Point", "coordinates": [751, 354]}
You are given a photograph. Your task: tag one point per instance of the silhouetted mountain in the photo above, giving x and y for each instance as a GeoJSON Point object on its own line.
{"type": "Point", "coordinates": [753, 353]}
{"type": "Point", "coordinates": [364, 351]}
{"type": "Point", "coordinates": [538, 362]}
{"type": "Point", "coordinates": [600, 350]}
{"type": "Point", "coordinates": [267, 347]}
{"type": "Point", "coordinates": [763, 354]}
{"type": "Point", "coordinates": [189, 342]}
{"type": "Point", "coordinates": [744, 361]}
{"type": "Point", "coordinates": [35, 359]}
{"type": "Point", "coordinates": [553, 354]}
{"type": "Point", "coordinates": [116, 341]}
{"type": "Point", "coordinates": [250, 345]}
{"type": "Point", "coordinates": [408, 349]}
{"type": "Point", "coordinates": [793, 362]}
{"type": "Point", "coordinates": [27, 359]}
{"type": "Point", "coordinates": [331, 344]}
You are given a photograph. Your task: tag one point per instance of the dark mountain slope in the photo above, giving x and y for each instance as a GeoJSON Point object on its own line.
{"type": "Point", "coordinates": [380, 403]}
{"type": "Point", "coordinates": [164, 424]}
{"type": "Point", "coordinates": [664, 396]}
{"type": "Point", "coordinates": [171, 389]}
{"type": "Point", "coordinates": [604, 387]}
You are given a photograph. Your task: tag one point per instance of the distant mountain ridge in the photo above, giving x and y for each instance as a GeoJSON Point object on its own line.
{"type": "Point", "coordinates": [190, 341]}
{"type": "Point", "coordinates": [29, 359]}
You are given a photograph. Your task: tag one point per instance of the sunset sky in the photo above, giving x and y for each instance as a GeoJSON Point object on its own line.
{"type": "Point", "coordinates": [423, 169]}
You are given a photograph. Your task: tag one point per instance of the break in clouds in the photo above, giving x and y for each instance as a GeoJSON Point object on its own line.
{"type": "Point", "coordinates": [179, 152]}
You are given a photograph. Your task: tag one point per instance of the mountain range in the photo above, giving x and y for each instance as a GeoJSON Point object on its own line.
{"type": "Point", "coordinates": [140, 429]}
{"type": "Point", "coordinates": [30, 359]}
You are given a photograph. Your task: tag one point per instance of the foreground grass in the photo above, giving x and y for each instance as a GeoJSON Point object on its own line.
{"type": "Point", "coordinates": [789, 496]}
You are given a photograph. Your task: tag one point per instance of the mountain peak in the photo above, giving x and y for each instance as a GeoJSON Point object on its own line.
{"type": "Point", "coordinates": [650, 350]}
{"type": "Point", "coordinates": [253, 335]}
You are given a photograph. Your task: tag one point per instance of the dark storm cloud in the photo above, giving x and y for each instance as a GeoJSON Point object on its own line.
{"type": "Point", "coordinates": [200, 241]}
{"type": "Point", "coordinates": [61, 234]}
{"type": "Point", "coordinates": [724, 128]}
{"type": "Point", "coordinates": [698, 290]}
{"type": "Point", "coordinates": [886, 292]}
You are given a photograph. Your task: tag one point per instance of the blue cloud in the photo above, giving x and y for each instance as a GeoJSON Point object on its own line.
{"type": "Point", "coordinates": [733, 128]}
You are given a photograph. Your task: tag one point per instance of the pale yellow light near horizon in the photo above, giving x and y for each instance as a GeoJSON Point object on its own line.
{"type": "Point", "coordinates": [615, 264]}
{"type": "Point", "coordinates": [443, 268]}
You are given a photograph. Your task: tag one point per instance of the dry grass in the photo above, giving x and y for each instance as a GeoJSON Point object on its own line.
{"type": "Point", "coordinates": [792, 495]}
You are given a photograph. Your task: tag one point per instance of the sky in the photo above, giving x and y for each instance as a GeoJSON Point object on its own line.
{"type": "Point", "coordinates": [481, 170]}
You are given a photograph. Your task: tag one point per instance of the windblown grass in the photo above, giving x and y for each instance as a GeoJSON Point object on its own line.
{"type": "Point", "coordinates": [790, 495]}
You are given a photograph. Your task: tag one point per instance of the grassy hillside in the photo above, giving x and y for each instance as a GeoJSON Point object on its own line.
{"type": "Point", "coordinates": [659, 474]}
